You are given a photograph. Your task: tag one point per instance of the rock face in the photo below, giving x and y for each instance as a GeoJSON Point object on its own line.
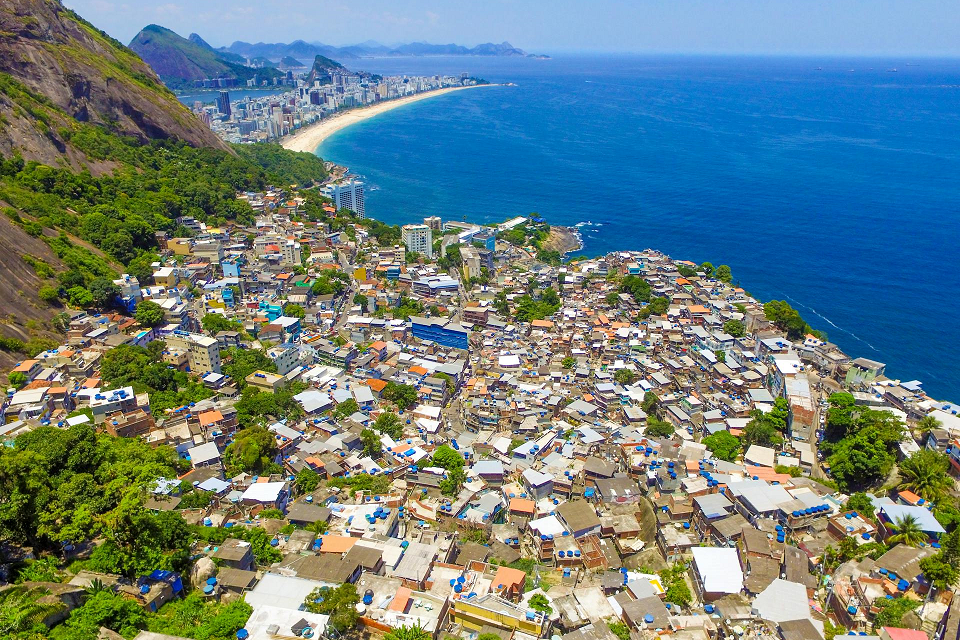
{"type": "Point", "coordinates": [56, 67]}
{"type": "Point", "coordinates": [201, 570]}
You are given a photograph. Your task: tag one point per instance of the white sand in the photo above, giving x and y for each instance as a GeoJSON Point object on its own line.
{"type": "Point", "coordinates": [310, 137]}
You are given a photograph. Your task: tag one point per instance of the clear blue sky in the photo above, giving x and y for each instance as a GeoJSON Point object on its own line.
{"type": "Point", "coordinates": [846, 27]}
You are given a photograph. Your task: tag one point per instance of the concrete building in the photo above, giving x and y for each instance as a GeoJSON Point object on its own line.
{"type": "Point", "coordinates": [347, 195]}
{"type": "Point", "coordinates": [418, 238]}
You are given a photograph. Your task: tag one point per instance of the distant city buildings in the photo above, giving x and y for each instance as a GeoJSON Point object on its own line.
{"type": "Point", "coordinates": [347, 195]}
{"type": "Point", "coordinates": [223, 103]}
{"type": "Point", "coordinates": [418, 238]}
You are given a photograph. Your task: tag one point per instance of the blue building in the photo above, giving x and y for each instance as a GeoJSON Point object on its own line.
{"type": "Point", "coordinates": [441, 331]}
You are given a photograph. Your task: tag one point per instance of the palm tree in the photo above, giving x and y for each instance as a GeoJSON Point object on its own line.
{"type": "Point", "coordinates": [21, 609]}
{"type": "Point", "coordinates": [925, 473]}
{"type": "Point", "coordinates": [416, 632]}
{"type": "Point", "coordinates": [908, 531]}
{"type": "Point", "coordinates": [928, 423]}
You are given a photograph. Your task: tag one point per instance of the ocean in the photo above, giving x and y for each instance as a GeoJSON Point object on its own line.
{"type": "Point", "coordinates": [829, 183]}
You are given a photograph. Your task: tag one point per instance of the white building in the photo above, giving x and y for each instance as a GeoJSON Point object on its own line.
{"type": "Point", "coordinates": [418, 238]}
{"type": "Point", "coordinates": [347, 195]}
{"type": "Point", "coordinates": [285, 356]}
{"type": "Point", "coordinates": [291, 252]}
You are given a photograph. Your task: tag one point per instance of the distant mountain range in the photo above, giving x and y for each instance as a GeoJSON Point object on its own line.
{"type": "Point", "coordinates": [302, 50]}
{"type": "Point", "coordinates": [180, 61]}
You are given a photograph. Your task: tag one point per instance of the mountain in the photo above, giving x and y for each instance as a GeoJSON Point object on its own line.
{"type": "Point", "coordinates": [322, 69]}
{"type": "Point", "coordinates": [180, 61]}
{"type": "Point", "coordinates": [302, 50]}
{"type": "Point", "coordinates": [56, 68]}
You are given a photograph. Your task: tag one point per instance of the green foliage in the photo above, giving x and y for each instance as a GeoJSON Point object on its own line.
{"type": "Point", "coordinates": [862, 504]}
{"type": "Point", "coordinates": [892, 611]}
{"type": "Point", "coordinates": [240, 363]}
{"type": "Point", "coordinates": [529, 309]}
{"type": "Point", "coordinates": [17, 379]}
{"type": "Point", "coordinates": [723, 445]}
{"type": "Point", "coordinates": [612, 299]}
{"type": "Point", "coordinates": [765, 429]}
{"type": "Point", "coordinates": [371, 443]}
{"type": "Point", "coordinates": [272, 514]}
{"type": "Point", "coordinates": [860, 442]}
{"type": "Point", "coordinates": [415, 632]}
{"type": "Point", "coordinates": [149, 314]}
{"type": "Point", "coordinates": [908, 531]}
{"type": "Point", "coordinates": [346, 408]}
{"type": "Point", "coordinates": [80, 297]}
{"type": "Point", "coordinates": [307, 480]}
{"type": "Point", "coordinates": [21, 612]}
{"type": "Point", "coordinates": [102, 609]}
{"type": "Point", "coordinates": [568, 362]}
{"type": "Point", "coordinates": [294, 311]}
{"type": "Point", "coordinates": [658, 428]}
{"type": "Point", "coordinates": [787, 319]}
{"type": "Point", "coordinates": [723, 274]}
{"type": "Point", "coordinates": [678, 592]}
{"type": "Point", "coordinates": [402, 395]}
{"type": "Point", "coordinates": [539, 602]}
{"type": "Point", "coordinates": [447, 458]}
{"type": "Point", "coordinates": [196, 499]}
{"type": "Point", "coordinates": [214, 323]}
{"type": "Point", "coordinates": [390, 424]}
{"type": "Point", "coordinates": [649, 403]}
{"type": "Point", "coordinates": [376, 484]}
{"type": "Point", "coordinates": [141, 369]}
{"type": "Point", "coordinates": [284, 167]}
{"type": "Point", "coordinates": [42, 570]}
{"type": "Point", "coordinates": [49, 294]}
{"type": "Point", "coordinates": [928, 423]}
{"type": "Point", "coordinates": [637, 287]}
{"type": "Point", "coordinates": [339, 603]}
{"type": "Point", "coordinates": [926, 473]}
{"type": "Point", "coordinates": [792, 471]}
{"type": "Point", "coordinates": [252, 451]}
{"type": "Point", "coordinates": [202, 619]}
{"type": "Point", "coordinates": [735, 328]}
{"type": "Point", "coordinates": [619, 629]}
{"type": "Point", "coordinates": [453, 480]}
{"type": "Point", "coordinates": [624, 376]}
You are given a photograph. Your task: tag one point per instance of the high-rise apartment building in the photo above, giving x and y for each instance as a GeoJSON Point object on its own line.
{"type": "Point", "coordinates": [223, 103]}
{"type": "Point", "coordinates": [347, 195]}
{"type": "Point", "coordinates": [419, 238]}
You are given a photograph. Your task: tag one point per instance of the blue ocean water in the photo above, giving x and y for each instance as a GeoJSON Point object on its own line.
{"type": "Point", "coordinates": [835, 189]}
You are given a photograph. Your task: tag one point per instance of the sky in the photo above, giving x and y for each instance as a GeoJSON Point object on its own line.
{"type": "Point", "coordinates": [784, 27]}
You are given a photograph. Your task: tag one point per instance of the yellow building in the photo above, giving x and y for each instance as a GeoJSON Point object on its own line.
{"type": "Point", "coordinates": [360, 274]}
{"type": "Point", "coordinates": [266, 381]}
{"type": "Point", "coordinates": [493, 610]}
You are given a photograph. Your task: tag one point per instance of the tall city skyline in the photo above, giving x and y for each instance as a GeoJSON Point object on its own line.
{"type": "Point", "coordinates": [855, 27]}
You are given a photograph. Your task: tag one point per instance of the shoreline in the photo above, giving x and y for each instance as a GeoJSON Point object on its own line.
{"type": "Point", "coordinates": [312, 136]}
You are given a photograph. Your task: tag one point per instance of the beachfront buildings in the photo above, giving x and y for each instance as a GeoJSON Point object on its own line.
{"type": "Point", "coordinates": [347, 195]}
{"type": "Point", "coordinates": [418, 238]}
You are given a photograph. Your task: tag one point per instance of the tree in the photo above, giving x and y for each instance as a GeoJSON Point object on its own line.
{"type": "Point", "coordinates": [658, 306]}
{"type": "Point", "coordinates": [17, 379]}
{"type": "Point", "coordinates": [214, 323]}
{"type": "Point", "coordinates": [415, 632]}
{"type": "Point", "coordinates": [360, 299]}
{"type": "Point", "coordinates": [452, 481]}
{"type": "Point", "coordinates": [723, 274]}
{"type": "Point", "coordinates": [80, 297]}
{"type": "Point", "coordinates": [339, 603]}
{"type": "Point", "coordinates": [104, 292]}
{"type": "Point", "coordinates": [721, 355]}
{"type": "Point", "coordinates": [371, 443]}
{"type": "Point", "coordinates": [149, 313]}
{"type": "Point", "coordinates": [49, 294]}
{"type": "Point", "coordinates": [252, 451]}
{"type": "Point", "coordinates": [862, 504]}
{"type": "Point", "coordinates": [706, 268]}
{"type": "Point", "coordinates": [723, 445]}
{"type": "Point", "coordinates": [908, 531]}
{"type": "Point", "coordinates": [892, 611]}
{"type": "Point", "coordinates": [927, 424]}
{"type": "Point", "coordinates": [925, 473]}
{"type": "Point", "coordinates": [402, 395]}
{"type": "Point", "coordinates": [658, 428]}
{"type": "Point", "coordinates": [390, 424]}
{"type": "Point", "coordinates": [307, 480]}
{"type": "Point", "coordinates": [568, 362]}
{"type": "Point", "coordinates": [612, 299]}
{"type": "Point", "coordinates": [734, 328]}
{"type": "Point", "coordinates": [624, 376]}
{"type": "Point", "coordinates": [21, 610]}
{"type": "Point", "coordinates": [539, 602]}
{"type": "Point", "coordinates": [294, 311]}
{"type": "Point", "coordinates": [346, 408]}
{"type": "Point", "coordinates": [447, 457]}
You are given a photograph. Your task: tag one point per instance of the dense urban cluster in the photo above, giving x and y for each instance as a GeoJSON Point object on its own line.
{"type": "Point", "coordinates": [308, 423]}
{"type": "Point", "coordinates": [309, 100]}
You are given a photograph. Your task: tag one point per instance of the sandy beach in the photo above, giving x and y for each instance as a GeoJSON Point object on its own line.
{"type": "Point", "coordinates": [310, 137]}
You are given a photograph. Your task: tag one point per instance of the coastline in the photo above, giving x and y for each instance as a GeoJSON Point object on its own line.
{"type": "Point", "coordinates": [312, 136]}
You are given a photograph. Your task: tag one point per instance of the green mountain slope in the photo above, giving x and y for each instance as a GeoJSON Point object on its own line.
{"type": "Point", "coordinates": [180, 62]}
{"type": "Point", "coordinates": [56, 69]}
